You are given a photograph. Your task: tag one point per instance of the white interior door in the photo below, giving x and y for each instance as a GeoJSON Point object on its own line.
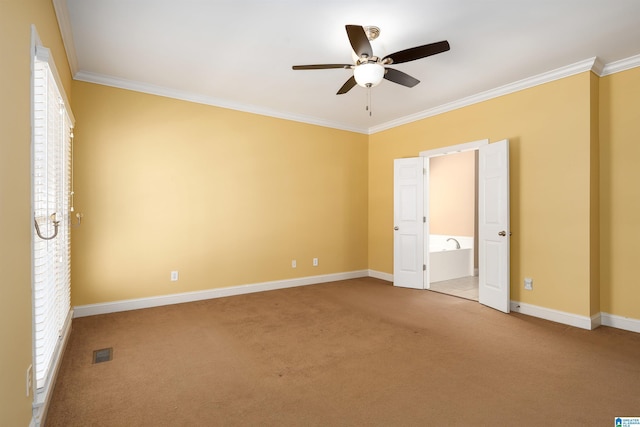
{"type": "Point", "coordinates": [408, 217]}
{"type": "Point", "coordinates": [426, 276]}
{"type": "Point", "coordinates": [493, 224]}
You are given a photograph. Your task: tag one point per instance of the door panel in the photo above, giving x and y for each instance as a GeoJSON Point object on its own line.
{"type": "Point", "coordinates": [408, 195]}
{"type": "Point", "coordinates": [493, 222]}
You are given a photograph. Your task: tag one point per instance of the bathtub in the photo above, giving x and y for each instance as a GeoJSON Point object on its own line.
{"type": "Point", "coordinates": [446, 262]}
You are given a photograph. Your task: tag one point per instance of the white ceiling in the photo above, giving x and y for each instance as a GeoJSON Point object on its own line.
{"type": "Point", "coordinates": [238, 53]}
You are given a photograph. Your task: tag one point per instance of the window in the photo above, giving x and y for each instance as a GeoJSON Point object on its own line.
{"type": "Point", "coordinates": [51, 151]}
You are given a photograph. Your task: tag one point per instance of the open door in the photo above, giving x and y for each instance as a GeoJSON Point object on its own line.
{"type": "Point", "coordinates": [493, 225]}
{"type": "Point", "coordinates": [408, 220]}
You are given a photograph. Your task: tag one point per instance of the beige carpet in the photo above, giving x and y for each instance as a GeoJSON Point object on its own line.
{"type": "Point", "coordinates": [357, 352]}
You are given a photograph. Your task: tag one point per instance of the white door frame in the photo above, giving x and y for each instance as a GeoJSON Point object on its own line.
{"type": "Point", "coordinates": [474, 145]}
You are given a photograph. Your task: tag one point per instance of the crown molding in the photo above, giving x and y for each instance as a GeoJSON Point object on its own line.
{"type": "Point", "coordinates": [557, 74]}
{"type": "Point", "coordinates": [622, 65]}
{"type": "Point", "coordinates": [594, 65]}
{"type": "Point", "coordinates": [597, 67]}
{"type": "Point", "coordinates": [207, 100]}
{"type": "Point", "coordinates": [64, 23]}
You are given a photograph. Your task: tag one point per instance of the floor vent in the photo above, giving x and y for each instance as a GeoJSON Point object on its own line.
{"type": "Point", "coordinates": [102, 355]}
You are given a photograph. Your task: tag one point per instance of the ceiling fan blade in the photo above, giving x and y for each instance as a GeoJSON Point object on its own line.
{"type": "Point", "coordinates": [399, 77]}
{"type": "Point", "coordinates": [347, 86]}
{"type": "Point", "coordinates": [321, 66]}
{"type": "Point", "coordinates": [359, 41]}
{"type": "Point", "coordinates": [418, 52]}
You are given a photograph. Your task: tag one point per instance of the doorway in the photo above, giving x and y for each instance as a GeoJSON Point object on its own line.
{"type": "Point", "coordinates": [453, 223]}
{"type": "Point", "coordinates": [411, 263]}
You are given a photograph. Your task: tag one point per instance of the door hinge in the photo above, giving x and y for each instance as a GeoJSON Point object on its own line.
{"type": "Point", "coordinates": [424, 267]}
{"type": "Point", "coordinates": [424, 171]}
{"type": "Point", "coordinates": [424, 219]}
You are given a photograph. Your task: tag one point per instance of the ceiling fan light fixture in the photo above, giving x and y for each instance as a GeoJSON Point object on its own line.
{"type": "Point", "coordinates": [369, 74]}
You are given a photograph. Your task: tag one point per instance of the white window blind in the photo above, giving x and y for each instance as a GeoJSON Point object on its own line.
{"type": "Point", "coordinates": [52, 125]}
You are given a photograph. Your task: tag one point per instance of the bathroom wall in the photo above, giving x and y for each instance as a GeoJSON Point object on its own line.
{"type": "Point", "coordinates": [452, 182]}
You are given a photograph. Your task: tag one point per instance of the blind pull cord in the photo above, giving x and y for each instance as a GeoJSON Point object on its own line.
{"type": "Point", "coordinates": [79, 215]}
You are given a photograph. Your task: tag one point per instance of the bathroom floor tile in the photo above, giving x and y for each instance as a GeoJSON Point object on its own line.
{"type": "Point", "coordinates": [464, 287]}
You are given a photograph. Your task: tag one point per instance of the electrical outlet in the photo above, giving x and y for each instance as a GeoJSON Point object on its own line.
{"type": "Point", "coordinates": [174, 276]}
{"type": "Point", "coordinates": [315, 262]}
{"type": "Point", "coordinates": [293, 263]}
{"type": "Point", "coordinates": [528, 283]}
{"type": "Point", "coordinates": [29, 380]}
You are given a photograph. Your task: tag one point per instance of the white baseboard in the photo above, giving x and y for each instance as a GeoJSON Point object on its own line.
{"type": "Point", "coordinates": [584, 322]}
{"type": "Point", "coordinates": [626, 323]}
{"type": "Point", "coordinates": [380, 275]}
{"type": "Point", "coordinates": [558, 316]}
{"type": "Point", "coordinates": [596, 321]}
{"type": "Point", "coordinates": [135, 304]}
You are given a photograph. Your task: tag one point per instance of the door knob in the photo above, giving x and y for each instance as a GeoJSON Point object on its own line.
{"type": "Point", "coordinates": [396, 228]}
{"type": "Point", "coordinates": [502, 233]}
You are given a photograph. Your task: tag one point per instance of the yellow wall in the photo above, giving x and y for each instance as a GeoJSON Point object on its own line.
{"type": "Point", "coordinates": [620, 193]}
{"type": "Point", "coordinates": [548, 127]}
{"type": "Point", "coordinates": [16, 17]}
{"type": "Point", "coordinates": [224, 197]}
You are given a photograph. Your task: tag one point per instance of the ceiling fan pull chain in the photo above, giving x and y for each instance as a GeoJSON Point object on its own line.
{"type": "Point", "coordinates": [366, 100]}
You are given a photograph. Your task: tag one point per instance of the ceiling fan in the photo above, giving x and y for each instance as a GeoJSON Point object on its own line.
{"type": "Point", "coordinates": [369, 70]}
